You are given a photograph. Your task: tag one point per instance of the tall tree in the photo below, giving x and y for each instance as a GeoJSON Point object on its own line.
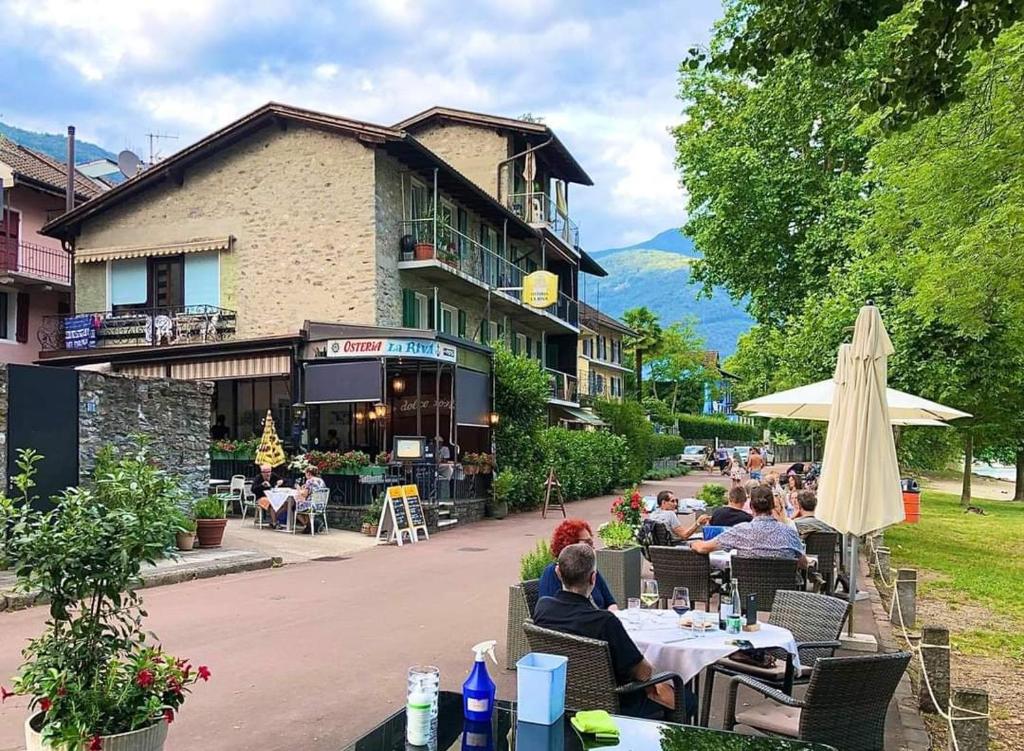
{"type": "Point", "coordinates": [647, 338]}
{"type": "Point", "coordinates": [678, 364]}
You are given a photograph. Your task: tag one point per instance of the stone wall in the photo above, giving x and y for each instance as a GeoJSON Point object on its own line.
{"type": "Point", "coordinates": [389, 218]}
{"type": "Point", "coordinates": [474, 150]}
{"type": "Point", "coordinates": [174, 414]}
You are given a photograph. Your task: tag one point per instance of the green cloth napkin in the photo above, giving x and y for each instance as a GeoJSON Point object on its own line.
{"type": "Point", "coordinates": [596, 722]}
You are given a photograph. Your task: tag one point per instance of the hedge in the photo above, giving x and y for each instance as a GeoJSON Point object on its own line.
{"type": "Point", "coordinates": [588, 463]}
{"type": "Point", "coordinates": [662, 445]}
{"type": "Point", "coordinates": [698, 426]}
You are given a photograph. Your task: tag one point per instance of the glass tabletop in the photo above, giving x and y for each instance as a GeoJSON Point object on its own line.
{"type": "Point", "coordinates": [505, 733]}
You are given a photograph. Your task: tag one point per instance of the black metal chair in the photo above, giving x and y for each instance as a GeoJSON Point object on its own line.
{"type": "Point", "coordinates": [816, 621]}
{"type": "Point", "coordinates": [682, 567]}
{"type": "Point", "coordinates": [845, 705]}
{"type": "Point", "coordinates": [590, 680]}
{"type": "Point", "coordinates": [824, 545]}
{"type": "Point", "coordinates": [763, 577]}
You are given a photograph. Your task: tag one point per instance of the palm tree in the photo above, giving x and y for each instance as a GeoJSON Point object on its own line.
{"type": "Point", "coordinates": [646, 338]}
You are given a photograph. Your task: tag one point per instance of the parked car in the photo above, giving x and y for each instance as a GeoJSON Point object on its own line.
{"type": "Point", "coordinates": [769, 454]}
{"type": "Point", "coordinates": [692, 456]}
{"type": "Point", "coordinates": [744, 452]}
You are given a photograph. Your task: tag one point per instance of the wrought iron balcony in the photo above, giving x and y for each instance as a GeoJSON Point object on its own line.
{"type": "Point", "coordinates": [540, 209]}
{"type": "Point", "coordinates": [137, 327]}
{"type": "Point", "coordinates": [38, 262]}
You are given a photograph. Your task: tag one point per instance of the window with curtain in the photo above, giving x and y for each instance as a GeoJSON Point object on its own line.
{"type": "Point", "coordinates": [202, 279]}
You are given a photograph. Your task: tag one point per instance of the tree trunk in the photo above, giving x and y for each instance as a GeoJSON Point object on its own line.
{"type": "Point", "coordinates": [965, 493]}
{"type": "Point", "coordinates": [639, 357]}
{"type": "Point", "coordinates": [1018, 491]}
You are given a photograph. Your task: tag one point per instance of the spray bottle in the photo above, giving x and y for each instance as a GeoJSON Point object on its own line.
{"type": "Point", "coordinates": [478, 690]}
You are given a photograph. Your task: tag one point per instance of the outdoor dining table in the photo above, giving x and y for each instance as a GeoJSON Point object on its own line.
{"type": "Point", "coordinates": [278, 497]}
{"type": "Point", "coordinates": [673, 648]}
{"type": "Point", "coordinates": [721, 560]}
{"type": "Point", "coordinates": [506, 733]}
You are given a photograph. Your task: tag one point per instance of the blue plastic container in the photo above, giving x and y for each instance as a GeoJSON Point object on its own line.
{"type": "Point", "coordinates": [541, 687]}
{"type": "Point", "coordinates": [710, 532]}
{"type": "Point", "coordinates": [535, 737]}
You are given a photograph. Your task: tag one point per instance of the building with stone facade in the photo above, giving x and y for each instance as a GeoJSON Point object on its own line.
{"type": "Point", "coordinates": [600, 369]}
{"type": "Point", "coordinates": [348, 274]}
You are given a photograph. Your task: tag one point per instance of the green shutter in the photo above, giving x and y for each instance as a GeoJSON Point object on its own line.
{"type": "Point", "coordinates": [529, 347]}
{"type": "Point", "coordinates": [431, 304]}
{"type": "Point", "coordinates": [515, 344]}
{"type": "Point", "coordinates": [409, 308]}
{"type": "Point", "coordinates": [462, 324]}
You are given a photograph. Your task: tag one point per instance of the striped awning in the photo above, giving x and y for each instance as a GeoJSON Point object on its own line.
{"type": "Point", "coordinates": [95, 255]}
{"type": "Point", "coordinates": [144, 370]}
{"type": "Point", "coordinates": [243, 366]}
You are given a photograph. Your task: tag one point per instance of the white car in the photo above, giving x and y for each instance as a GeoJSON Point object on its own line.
{"type": "Point", "coordinates": [692, 456]}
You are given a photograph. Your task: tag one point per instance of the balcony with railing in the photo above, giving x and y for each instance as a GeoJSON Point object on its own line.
{"type": "Point", "coordinates": [136, 327]}
{"type": "Point", "coordinates": [448, 249]}
{"type": "Point", "coordinates": [539, 209]}
{"type": "Point", "coordinates": [35, 262]}
{"type": "Point", "coordinates": [563, 386]}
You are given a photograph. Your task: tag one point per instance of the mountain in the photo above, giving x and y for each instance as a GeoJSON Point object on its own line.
{"type": "Point", "coordinates": [55, 145]}
{"type": "Point", "coordinates": [656, 273]}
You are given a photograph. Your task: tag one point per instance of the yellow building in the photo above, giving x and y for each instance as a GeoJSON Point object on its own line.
{"type": "Point", "coordinates": [601, 372]}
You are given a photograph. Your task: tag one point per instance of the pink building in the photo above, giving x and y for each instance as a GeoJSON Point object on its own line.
{"type": "Point", "coordinates": [35, 271]}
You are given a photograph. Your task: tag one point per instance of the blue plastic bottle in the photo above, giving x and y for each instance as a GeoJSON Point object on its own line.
{"type": "Point", "coordinates": [478, 690]}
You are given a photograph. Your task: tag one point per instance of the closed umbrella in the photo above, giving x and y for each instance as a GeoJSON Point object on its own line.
{"type": "Point", "coordinates": [859, 490]}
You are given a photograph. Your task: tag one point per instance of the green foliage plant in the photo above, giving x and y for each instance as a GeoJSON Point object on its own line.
{"type": "Point", "coordinates": [521, 392]}
{"type": "Point", "coordinates": [533, 563]}
{"type": "Point", "coordinates": [210, 507]}
{"type": "Point", "coordinates": [617, 535]}
{"type": "Point", "coordinates": [712, 494]}
{"type": "Point", "coordinates": [372, 513]}
{"type": "Point", "coordinates": [94, 671]}
{"type": "Point", "coordinates": [628, 420]}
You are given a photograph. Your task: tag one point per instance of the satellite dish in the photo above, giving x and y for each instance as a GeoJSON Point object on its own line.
{"type": "Point", "coordinates": [128, 163]}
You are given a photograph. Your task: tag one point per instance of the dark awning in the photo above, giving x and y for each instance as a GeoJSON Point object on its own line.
{"type": "Point", "coordinates": [472, 397]}
{"type": "Point", "coordinates": [342, 382]}
{"type": "Point", "coordinates": [581, 416]}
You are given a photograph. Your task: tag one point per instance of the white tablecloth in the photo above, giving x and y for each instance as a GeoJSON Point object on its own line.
{"type": "Point", "coordinates": [721, 560]}
{"type": "Point", "coordinates": [278, 496]}
{"type": "Point", "coordinates": [658, 632]}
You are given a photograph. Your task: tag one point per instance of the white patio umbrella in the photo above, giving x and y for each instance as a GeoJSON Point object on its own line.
{"type": "Point", "coordinates": [814, 402]}
{"type": "Point", "coordinates": [859, 490]}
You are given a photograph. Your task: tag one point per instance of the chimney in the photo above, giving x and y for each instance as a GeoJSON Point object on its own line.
{"type": "Point", "coordinates": [70, 199]}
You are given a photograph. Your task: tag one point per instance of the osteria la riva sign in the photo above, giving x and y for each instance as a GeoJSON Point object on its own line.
{"type": "Point", "coordinates": [427, 349]}
{"type": "Point", "coordinates": [540, 289]}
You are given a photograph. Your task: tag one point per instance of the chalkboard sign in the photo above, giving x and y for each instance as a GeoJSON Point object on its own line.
{"type": "Point", "coordinates": [401, 521]}
{"type": "Point", "coordinates": [412, 501]}
{"type": "Point", "coordinates": [394, 519]}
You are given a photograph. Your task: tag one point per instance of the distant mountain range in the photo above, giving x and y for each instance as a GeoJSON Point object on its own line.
{"type": "Point", "coordinates": [656, 273]}
{"type": "Point", "coordinates": [55, 145]}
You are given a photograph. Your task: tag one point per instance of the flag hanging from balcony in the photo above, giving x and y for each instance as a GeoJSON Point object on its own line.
{"type": "Point", "coordinates": [79, 332]}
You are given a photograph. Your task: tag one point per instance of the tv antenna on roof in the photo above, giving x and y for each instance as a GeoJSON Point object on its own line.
{"type": "Point", "coordinates": [154, 155]}
{"type": "Point", "coordinates": [128, 163]}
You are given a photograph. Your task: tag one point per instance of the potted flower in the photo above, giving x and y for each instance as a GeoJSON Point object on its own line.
{"type": "Point", "coordinates": [223, 449]}
{"type": "Point", "coordinates": [185, 532]}
{"type": "Point", "coordinates": [210, 521]}
{"type": "Point", "coordinates": [502, 489]}
{"type": "Point", "coordinates": [93, 678]}
{"type": "Point", "coordinates": [383, 458]}
{"type": "Point", "coordinates": [371, 518]}
{"type": "Point", "coordinates": [619, 561]}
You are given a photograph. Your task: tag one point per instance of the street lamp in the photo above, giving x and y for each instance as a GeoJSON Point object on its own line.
{"type": "Point", "coordinates": [380, 409]}
{"type": "Point", "coordinates": [398, 385]}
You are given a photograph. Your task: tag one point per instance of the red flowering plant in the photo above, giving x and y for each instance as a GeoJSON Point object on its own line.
{"type": "Point", "coordinates": [629, 509]}
{"type": "Point", "coordinates": [93, 672]}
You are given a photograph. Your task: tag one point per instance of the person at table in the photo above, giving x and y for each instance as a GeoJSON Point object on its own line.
{"type": "Point", "coordinates": [765, 536]}
{"type": "Point", "coordinates": [219, 431]}
{"type": "Point", "coordinates": [666, 513]}
{"type": "Point", "coordinates": [794, 484]}
{"type": "Point", "coordinates": [265, 481]}
{"type": "Point", "coordinates": [571, 532]}
{"type": "Point", "coordinates": [732, 513]}
{"type": "Point", "coordinates": [304, 499]}
{"type": "Point", "coordinates": [805, 520]}
{"type": "Point", "coordinates": [571, 611]}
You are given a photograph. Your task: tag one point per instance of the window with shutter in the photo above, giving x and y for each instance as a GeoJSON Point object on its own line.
{"type": "Point", "coordinates": [409, 309]}
{"type": "Point", "coordinates": [462, 324]}
{"type": "Point", "coordinates": [21, 329]}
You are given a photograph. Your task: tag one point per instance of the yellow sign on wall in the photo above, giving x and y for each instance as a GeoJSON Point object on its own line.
{"type": "Point", "coordinates": [540, 289]}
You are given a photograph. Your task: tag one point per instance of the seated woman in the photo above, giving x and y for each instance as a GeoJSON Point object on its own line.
{"type": "Point", "coordinates": [570, 532]}
{"type": "Point", "coordinates": [304, 499]}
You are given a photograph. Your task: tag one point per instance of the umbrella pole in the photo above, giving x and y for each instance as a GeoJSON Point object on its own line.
{"type": "Point", "coordinates": [853, 582]}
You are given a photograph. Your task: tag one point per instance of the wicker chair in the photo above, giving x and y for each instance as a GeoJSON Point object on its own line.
{"type": "Point", "coordinates": [763, 577]}
{"type": "Point", "coordinates": [824, 545]}
{"type": "Point", "coordinates": [682, 567]}
{"type": "Point", "coordinates": [815, 621]}
{"type": "Point", "coordinates": [522, 599]}
{"type": "Point", "coordinates": [590, 680]}
{"type": "Point", "coordinates": [654, 533]}
{"type": "Point", "coordinates": [845, 704]}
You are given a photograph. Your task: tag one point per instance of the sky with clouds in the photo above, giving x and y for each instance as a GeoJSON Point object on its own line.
{"type": "Point", "coordinates": [602, 74]}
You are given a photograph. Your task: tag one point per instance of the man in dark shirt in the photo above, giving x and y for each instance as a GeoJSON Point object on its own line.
{"type": "Point", "coordinates": [733, 514]}
{"type": "Point", "coordinates": [219, 431]}
{"type": "Point", "coordinates": [571, 612]}
{"type": "Point", "coordinates": [264, 481]}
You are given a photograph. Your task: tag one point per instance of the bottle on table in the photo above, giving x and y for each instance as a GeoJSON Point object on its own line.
{"type": "Point", "coordinates": [724, 608]}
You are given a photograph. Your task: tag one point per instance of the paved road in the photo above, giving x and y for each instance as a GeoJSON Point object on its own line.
{"type": "Point", "coordinates": [311, 655]}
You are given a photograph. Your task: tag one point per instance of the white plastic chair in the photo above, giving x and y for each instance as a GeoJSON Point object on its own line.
{"type": "Point", "coordinates": [318, 505]}
{"type": "Point", "coordinates": [236, 492]}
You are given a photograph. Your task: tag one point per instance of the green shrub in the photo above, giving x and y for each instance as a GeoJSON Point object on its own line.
{"type": "Point", "coordinates": [210, 507]}
{"type": "Point", "coordinates": [698, 426]}
{"type": "Point", "coordinates": [616, 535]}
{"type": "Point", "coordinates": [372, 513]}
{"type": "Point", "coordinates": [712, 494]}
{"type": "Point", "coordinates": [588, 463]}
{"type": "Point", "coordinates": [663, 445]}
{"type": "Point", "coordinates": [533, 563]}
{"type": "Point", "coordinates": [628, 420]}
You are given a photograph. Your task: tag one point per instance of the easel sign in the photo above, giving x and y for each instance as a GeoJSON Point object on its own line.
{"type": "Point", "coordinates": [553, 484]}
{"type": "Point", "coordinates": [401, 515]}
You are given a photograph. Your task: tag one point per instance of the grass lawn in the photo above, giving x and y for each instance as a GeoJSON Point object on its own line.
{"type": "Point", "coordinates": [977, 560]}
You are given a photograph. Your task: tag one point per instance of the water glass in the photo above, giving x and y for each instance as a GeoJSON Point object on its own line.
{"type": "Point", "coordinates": [649, 592]}
{"type": "Point", "coordinates": [425, 679]}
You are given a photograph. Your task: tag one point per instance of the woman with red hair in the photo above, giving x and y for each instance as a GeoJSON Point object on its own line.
{"type": "Point", "coordinates": [570, 532]}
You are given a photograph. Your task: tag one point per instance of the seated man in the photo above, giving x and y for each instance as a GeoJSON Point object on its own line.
{"type": "Point", "coordinates": [805, 520]}
{"type": "Point", "coordinates": [264, 482]}
{"type": "Point", "coordinates": [668, 503]}
{"type": "Point", "coordinates": [572, 612]}
{"type": "Point", "coordinates": [766, 536]}
{"type": "Point", "coordinates": [733, 513]}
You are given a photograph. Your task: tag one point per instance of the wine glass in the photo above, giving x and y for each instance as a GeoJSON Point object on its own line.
{"type": "Point", "coordinates": [649, 592]}
{"type": "Point", "coordinates": [680, 600]}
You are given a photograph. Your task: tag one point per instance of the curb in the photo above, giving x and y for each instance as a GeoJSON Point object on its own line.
{"type": "Point", "coordinates": [915, 734]}
{"type": "Point", "coordinates": [10, 601]}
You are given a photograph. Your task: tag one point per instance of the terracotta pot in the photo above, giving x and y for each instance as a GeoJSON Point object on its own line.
{"type": "Point", "coordinates": [185, 540]}
{"type": "Point", "coordinates": [150, 738]}
{"type": "Point", "coordinates": [373, 530]}
{"type": "Point", "coordinates": [210, 532]}
{"type": "Point", "coordinates": [423, 252]}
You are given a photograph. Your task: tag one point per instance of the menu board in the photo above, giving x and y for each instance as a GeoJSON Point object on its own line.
{"type": "Point", "coordinates": [402, 515]}
{"type": "Point", "coordinates": [412, 502]}
{"type": "Point", "coordinates": [398, 507]}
